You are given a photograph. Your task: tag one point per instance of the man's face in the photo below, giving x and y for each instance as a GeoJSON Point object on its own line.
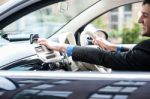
{"type": "Point", "coordinates": [145, 19]}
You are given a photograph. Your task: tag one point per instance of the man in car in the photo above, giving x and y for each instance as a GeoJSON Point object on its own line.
{"type": "Point", "coordinates": [136, 59]}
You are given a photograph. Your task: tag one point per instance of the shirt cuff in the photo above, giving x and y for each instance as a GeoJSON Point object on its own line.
{"type": "Point", "coordinates": [70, 50]}
{"type": "Point", "coordinates": [118, 49]}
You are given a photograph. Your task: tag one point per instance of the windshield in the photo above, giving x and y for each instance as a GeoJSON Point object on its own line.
{"type": "Point", "coordinates": [46, 21]}
{"type": "Point", "coordinates": [74, 7]}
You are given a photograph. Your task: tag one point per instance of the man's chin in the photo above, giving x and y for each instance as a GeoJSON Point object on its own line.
{"type": "Point", "coordinates": [142, 33]}
{"type": "Point", "coordinates": [146, 34]}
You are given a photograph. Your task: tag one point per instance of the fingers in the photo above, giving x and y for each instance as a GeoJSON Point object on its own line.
{"type": "Point", "coordinates": [95, 42]}
{"type": "Point", "coordinates": [49, 44]}
{"type": "Point", "coordinates": [42, 41]}
{"type": "Point", "coordinates": [100, 42]}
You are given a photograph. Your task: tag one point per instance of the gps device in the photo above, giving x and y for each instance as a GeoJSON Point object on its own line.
{"type": "Point", "coordinates": [33, 38]}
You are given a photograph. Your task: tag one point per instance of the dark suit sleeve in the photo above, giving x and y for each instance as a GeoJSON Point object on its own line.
{"type": "Point", "coordinates": [124, 49]}
{"type": "Point", "coordinates": [136, 59]}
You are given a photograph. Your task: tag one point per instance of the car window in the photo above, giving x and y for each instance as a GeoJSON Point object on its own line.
{"type": "Point", "coordinates": [48, 20]}
{"type": "Point", "coordinates": [21, 68]}
{"type": "Point", "coordinates": [44, 22]}
{"type": "Point", "coordinates": [121, 24]}
{"type": "Point", "coordinates": [25, 67]}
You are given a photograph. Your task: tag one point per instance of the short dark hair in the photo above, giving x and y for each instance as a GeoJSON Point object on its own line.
{"type": "Point", "coordinates": [146, 2]}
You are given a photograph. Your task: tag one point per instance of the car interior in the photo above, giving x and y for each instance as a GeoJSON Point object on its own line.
{"type": "Point", "coordinates": [49, 60]}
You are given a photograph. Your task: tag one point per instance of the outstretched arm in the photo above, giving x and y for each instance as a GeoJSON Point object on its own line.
{"type": "Point", "coordinates": [53, 45]}
{"type": "Point", "coordinates": [104, 44]}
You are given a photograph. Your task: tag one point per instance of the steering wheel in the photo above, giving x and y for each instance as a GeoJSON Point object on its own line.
{"type": "Point", "coordinates": [84, 42]}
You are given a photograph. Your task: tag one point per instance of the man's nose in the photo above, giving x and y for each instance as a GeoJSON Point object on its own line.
{"type": "Point", "coordinates": [140, 20]}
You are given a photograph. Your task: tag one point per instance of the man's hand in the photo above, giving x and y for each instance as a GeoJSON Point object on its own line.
{"type": "Point", "coordinates": [43, 41]}
{"type": "Point", "coordinates": [104, 44]}
{"type": "Point", "coordinates": [52, 45]}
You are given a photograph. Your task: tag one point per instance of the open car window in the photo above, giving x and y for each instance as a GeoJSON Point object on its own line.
{"type": "Point", "coordinates": [121, 24]}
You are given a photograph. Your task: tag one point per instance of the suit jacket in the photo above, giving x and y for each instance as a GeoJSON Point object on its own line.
{"type": "Point", "coordinates": [136, 59]}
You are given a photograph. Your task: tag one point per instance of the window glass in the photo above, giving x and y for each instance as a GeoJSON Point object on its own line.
{"type": "Point", "coordinates": [44, 22]}
{"type": "Point", "coordinates": [48, 20]}
{"type": "Point", "coordinates": [21, 68]}
{"type": "Point", "coordinates": [128, 7]}
{"type": "Point", "coordinates": [25, 67]}
{"type": "Point", "coordinates": [120, 24]}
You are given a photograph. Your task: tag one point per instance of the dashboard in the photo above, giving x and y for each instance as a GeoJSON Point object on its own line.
{"type": "Point", "coordinates": [29, 53]}
{"type": "Point", "coordinates": [35, 56]}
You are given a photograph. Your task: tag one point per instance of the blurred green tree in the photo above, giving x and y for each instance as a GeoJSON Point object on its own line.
{"type": "Point", "coordinates": [131, 35]}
